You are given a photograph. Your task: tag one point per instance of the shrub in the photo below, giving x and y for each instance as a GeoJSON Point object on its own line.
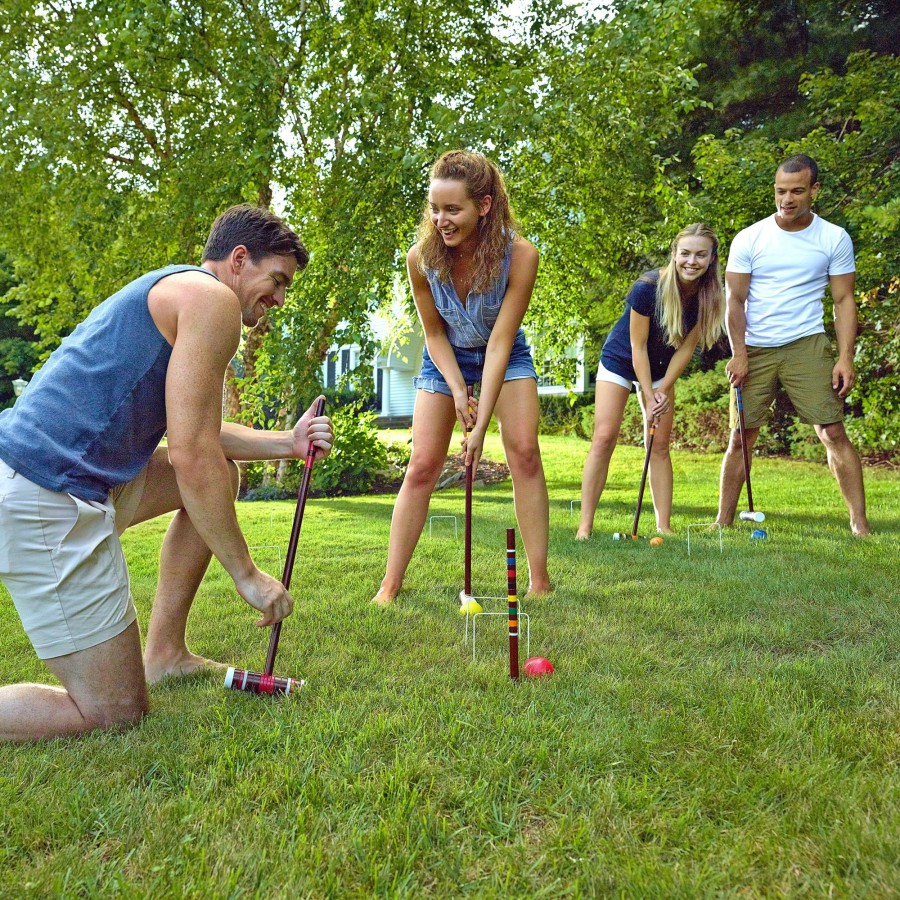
{"type": "Point", "coordinates": [701, 411]}
{"type": "Point", "coordinates": [562, 413]}
{"type": "Point", "coordinates": [268, 492]}
{"type": "Point", "coordinates": [701, 415]}
{"type": "Point", "coordinates": [358, 456]}
{"type": "Point", "coordinates": [398, 454]}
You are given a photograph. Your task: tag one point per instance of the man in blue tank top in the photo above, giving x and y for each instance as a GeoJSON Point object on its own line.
{"type": "Point", "coordinates": [80, 461]}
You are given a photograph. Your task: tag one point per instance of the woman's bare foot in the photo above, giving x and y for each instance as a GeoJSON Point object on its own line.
{"type": "Point", "coordinates": [667, 530]}
{"type": "Point", "coordinates": [384, 597]}
{"type": "Point", "coordinates": [582, 534]}
{"type": "Point", "coordinates": [538, 589]}
{"type": "Point", "coordinates": [186, 663]}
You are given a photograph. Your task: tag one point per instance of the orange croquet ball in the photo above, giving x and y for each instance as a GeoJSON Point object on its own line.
{"type": "Point", "coordinates": [656, 542]}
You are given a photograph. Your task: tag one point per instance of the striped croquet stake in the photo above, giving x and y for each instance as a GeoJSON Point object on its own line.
{"type": "Point", "coordinates": [512, 590]}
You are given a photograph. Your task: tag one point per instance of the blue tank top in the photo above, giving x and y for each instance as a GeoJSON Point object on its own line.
{"type": "Point", "coordinates": [96, 410]}
{"type": "Point", "coordinates": [470, 326]}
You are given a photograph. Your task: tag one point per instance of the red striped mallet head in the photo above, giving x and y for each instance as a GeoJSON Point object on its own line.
{"type": "Point", "coordinates": [265, 682]}
{"type": "Point", "coordinates": [259, 682]}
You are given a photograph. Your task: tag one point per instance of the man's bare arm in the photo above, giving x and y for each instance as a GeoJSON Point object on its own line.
{"type": "Point", "coordinates": [207, 331]}
{"type": "Point", "coordinates": [738, 285]}
{"type": "Point", "coordinates": [843, 376]}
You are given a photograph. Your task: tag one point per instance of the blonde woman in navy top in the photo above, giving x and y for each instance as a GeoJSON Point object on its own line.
{"type": "Point", "coordinates": [471, 276]}
{"type": "Point", "coordinates": [668, 313]}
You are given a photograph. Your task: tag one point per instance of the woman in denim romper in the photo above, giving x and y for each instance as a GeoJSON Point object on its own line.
{"type": "Point", "coordinates": [471, 277]}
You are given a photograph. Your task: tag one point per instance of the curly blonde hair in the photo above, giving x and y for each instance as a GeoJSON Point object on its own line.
{"type": "Point", "coordinates": [496, 228]}
{"type": "Point", "coordinates": [710, 297]}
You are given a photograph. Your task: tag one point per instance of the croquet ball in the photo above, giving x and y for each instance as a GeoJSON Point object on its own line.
{"type": "Point", "coordinates": [656, 542]}
{"type": "Point", "coordinates": [470, 608]}
{"type": "Point", "coordinates": [759, 534]}
{"type": "Point", "coordinates": [537, 666]}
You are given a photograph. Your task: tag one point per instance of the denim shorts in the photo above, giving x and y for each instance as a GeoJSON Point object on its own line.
{"type": "Point", "coordinates": [471, 365]}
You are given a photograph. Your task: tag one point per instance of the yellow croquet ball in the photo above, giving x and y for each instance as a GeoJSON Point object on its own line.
{"type": "Point", "coordinates": [656, 542]}
{"type": "Point", "coordinates": [470, 608]}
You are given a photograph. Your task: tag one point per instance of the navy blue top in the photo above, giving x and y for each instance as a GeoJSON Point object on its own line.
{"type": "Point", "coordinates": [616, 353]}
{"type": "Point", "coordinates": [95, 412]}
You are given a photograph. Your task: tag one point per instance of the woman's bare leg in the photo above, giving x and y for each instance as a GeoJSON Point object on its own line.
{"type": "Point", "coordinates": [609, 407]}
{"type": "Point", "coordinates": [433, 421]}
{"type": "Point", "coordinates": [661, 465]}
{"type": "Point", "coordinates": [518, 413]}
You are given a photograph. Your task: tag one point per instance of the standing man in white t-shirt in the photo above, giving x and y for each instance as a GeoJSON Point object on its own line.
{"type": "Point", "coordinates": [776, 277]}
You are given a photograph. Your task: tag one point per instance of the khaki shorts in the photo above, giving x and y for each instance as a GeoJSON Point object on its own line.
{"type": "Point", "coordinates": [803, 368]}
{"type": "Point", "coordinates": [61, 560]}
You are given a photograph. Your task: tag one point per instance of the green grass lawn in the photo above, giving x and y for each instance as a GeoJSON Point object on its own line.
{"type": "Point", "coordinates": [724, 724]}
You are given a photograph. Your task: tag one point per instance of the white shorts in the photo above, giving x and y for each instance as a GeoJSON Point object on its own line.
{"type": "Point", "coordinates": [603, 374]}
{"type": "Point", "coordinates": [61, 560]}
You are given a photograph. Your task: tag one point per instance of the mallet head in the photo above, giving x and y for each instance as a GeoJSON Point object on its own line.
{"type": "Point", "coordinates": [622, 536]}
{"type": "Point", "coordinates": [259, 683]}
{"type": "Point", "coordinates": [753, 517]}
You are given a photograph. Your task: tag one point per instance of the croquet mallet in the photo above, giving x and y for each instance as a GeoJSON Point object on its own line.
{"type": "Point", "coordinates": [620, 536]}
{"type": "Point", "coordinates": [749, 515]}
{"type": "Point", "coordinates": [465, 595]}
{"type": "Point", "coordinates": [266, 682]}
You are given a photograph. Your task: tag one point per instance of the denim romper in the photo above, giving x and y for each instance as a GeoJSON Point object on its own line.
{"type": "Point", "coordinates": [469, 329]}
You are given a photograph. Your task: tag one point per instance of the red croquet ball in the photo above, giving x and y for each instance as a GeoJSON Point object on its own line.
{"type": "Point", "coordinates": [537, 666]}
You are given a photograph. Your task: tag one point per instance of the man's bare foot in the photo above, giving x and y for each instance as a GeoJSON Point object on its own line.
{"type": "Point", "coordinates": [186, 663]}
{"type": "Point", "coordinates": [667, 530]}
{"type": "Point", "coordinates": [862, 530]}
{"type": "Point", "coordinates": [384, 597]}
{"type": "Point", "coordinates": [582, 534]}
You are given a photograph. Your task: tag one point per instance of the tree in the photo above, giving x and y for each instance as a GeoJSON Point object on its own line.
{"type": "Point", "coordinates": [857, 146]}
{"type": "Point", "coordinates": [130, 126]}
{"type": "Point", "coordinates": [17, 353]}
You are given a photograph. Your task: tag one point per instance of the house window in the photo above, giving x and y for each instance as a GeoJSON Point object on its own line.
{"type": "Point", "coordinates": [330, 371]}
{"type": "Point", "coordinates": [345, 361]}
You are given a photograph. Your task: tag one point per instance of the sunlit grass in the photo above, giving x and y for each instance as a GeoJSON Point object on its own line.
{"type": "Point", "coordinates": [727, 723]}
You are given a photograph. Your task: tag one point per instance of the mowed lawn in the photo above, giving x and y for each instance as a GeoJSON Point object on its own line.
{"type": "Point", "coordinates": [724, 724]}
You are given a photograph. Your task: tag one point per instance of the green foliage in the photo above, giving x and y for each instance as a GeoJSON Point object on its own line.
{"type": "Point", "coordinates": [398, 454]}
{"type": "Point", "coordinates": [701, 411]}
{"type": "Point", "coordinates": [858, 148]}
{"type": "Point", "coordinates": [266, 492]}
{"type": "Point", "coordinates": [561, 413]}
{"type": "Point", "coordinates": [18, 355]}
{"type": "Point", "coordinates": [358, 455]}
{"type": "Point", "coordinates": [127, 127]}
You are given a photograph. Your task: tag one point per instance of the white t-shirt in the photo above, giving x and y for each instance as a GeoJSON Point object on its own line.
{"type": "Point", "coordinates": [789, 272]}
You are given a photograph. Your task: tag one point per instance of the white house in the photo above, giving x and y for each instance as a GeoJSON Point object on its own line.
{"type": "Point", "coordinates": [399, 360]}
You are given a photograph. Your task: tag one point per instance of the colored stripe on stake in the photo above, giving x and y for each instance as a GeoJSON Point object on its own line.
{"type": "Point", "coordinates": [512, 591]}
